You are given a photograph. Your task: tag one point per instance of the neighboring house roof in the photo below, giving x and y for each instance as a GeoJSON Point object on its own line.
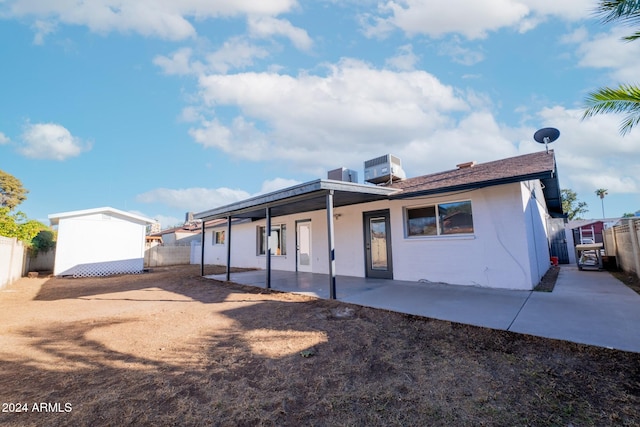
{"type": "Point", "coordinates": [181, 230]}
{"type": "Point", "coordinates": [55, 218]}
{"type": "Point", "coordinates": [578, 223]}
{"type": "Point", "coordinates": [311, 195]}
{"type": "Point", "coordinates": [540, 165]}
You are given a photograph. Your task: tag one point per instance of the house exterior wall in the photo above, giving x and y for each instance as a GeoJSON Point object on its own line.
{"type": "Point", "coordinates": [536, 226]}
{"type": "Point", "coordinates": [99, 244]}
{"type": "Point", "coordinates": [499, 254]}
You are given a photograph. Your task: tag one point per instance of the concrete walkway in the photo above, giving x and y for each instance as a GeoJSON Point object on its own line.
{"type": "Point", "coordinates": [587, 307]}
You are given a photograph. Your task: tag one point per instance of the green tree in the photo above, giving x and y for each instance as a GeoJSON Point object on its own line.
{"type": "Point", "coordinates": [18, 225]}
{"type": "Point", "coordinates": [571, 205]}
{"type": "Point", "coordinates": [15, 223]}
{"type": "Point", "coordinates": [628, 215]}
{"type": "Point", "coordinates": [12, 193]}
{"type": "Point", "coordinates": [601, 192]}
{"type": "Point", "coordinates": [44, 241]}
{"type": "Point", "coordinates": [624, 99]}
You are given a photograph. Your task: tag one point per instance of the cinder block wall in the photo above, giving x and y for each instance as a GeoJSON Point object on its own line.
{"type": "Point", "coordinates": [158, 256]}
{"type": "Point", "coordinates": [11, 260]}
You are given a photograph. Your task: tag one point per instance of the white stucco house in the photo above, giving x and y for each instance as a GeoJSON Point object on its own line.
{"type": "Point", "coordinates": [477, 224]}
{"type": "Point", "coordinates": [99, 242]}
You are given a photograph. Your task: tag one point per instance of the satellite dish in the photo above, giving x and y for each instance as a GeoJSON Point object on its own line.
{"type": "Point", "coordinates": [546, 136]}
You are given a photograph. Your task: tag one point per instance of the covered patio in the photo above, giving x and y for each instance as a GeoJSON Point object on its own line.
{"type": "Point", "coordinates": [312, 196]}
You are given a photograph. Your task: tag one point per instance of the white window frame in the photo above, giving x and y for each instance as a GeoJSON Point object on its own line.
{"type": "Point", "coordinates": [219, 237]}
{"type": "Point", "coordinates": [280, 246]}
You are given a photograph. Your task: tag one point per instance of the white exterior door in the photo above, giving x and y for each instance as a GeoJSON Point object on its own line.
{"type": "Point", "coordinates": [303, 246]}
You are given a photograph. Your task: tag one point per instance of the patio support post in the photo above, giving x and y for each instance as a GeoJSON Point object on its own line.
{"type": "Point", "coordinates": [228, 239]}
{"type": "Point", "coordinates": [267, 232]}
{"type": "Point", "coordinates": [331, 241]}
{"type": "Point", "coordinates": [202, 249]}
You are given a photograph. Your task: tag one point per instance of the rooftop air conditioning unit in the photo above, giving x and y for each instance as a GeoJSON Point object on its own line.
{"type": "Point", "coordinates": [383, 169]}
{"type": "Point", "coordinates": [343, 174]}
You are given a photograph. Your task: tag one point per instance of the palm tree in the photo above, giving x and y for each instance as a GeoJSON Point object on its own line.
{"type": "Point", "coordinates": [601, 192]}
{"type": "Point", "coordinates": [625, 98]}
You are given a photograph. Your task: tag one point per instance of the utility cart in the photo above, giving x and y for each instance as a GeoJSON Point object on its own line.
{"type": "Point", "coordinates": [589, 256]}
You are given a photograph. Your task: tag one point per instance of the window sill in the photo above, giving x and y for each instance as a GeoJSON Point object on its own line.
{"type": "Point", "coordinates": [445, 237]}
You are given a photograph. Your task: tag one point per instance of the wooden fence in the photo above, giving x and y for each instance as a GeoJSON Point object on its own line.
{"type": "Point", "coordinates": [621, 241]}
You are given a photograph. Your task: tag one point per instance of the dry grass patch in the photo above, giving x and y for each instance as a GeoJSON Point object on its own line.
{"type": "Point", "coordinates": [171, 348]}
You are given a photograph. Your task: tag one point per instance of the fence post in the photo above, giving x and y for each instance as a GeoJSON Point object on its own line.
{"type": "Point", "coordinates": [14, 242]}
{"type": "Point", "coordinates": [616, 253]}
{"type": "Point", "coordinates": [634, 245]}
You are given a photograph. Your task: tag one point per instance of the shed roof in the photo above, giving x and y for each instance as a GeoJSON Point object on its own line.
{"type": "Point", "coordinates": [55, 218]}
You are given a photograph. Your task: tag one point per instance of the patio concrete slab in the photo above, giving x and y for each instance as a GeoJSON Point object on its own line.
{"type": "Point", "coordinates": [587, 307]}
{"type": "Point", "coordinates": [492, 308]}
{"type": "Point", "coordinates": [590, 307]}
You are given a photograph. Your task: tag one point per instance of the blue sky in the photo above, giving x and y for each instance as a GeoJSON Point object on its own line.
{"type": "Point", "coordinates": [161, 107]}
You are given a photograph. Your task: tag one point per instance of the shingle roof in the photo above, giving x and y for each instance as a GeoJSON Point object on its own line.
{"type": "Point", "coordinates": [540, 165]}
{"type": "Point", "coordinates": [513, 169]}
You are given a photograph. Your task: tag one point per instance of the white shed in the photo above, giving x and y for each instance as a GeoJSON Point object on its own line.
{"type": "Point", "coordinates": [99, 242]}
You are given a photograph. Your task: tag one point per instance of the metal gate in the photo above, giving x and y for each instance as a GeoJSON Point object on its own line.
{"type": "Point", "coordinates": [558, 239]}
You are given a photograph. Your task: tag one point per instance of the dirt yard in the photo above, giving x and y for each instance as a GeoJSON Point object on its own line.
{"type": "Point", "coordinates": [171, 348]}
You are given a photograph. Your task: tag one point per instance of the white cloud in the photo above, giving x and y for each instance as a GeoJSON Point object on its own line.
{"type": "Point", "coordinates": [460, 54]}
{"type": "Point", "coordinates": [50, 141]}
{"type": "Point", "coordinates": [166, 19]}
{"type": "Point", "coordinates": [4, 139]}
{"type": "Point", "coordinates": [404, 60]}
{"type": "Point", "coordinates": [168, 221]}
{"type": "Point", "coordinates": [311, 120]}
{"type": "Point", "coordinates": [436, 18]}
{"type": "Point", "coordinates": [608, 51]}
{"type": "Point", "coordinates": [201, 199]}
{"type": "Point", "coordinates": [42, 29]}
{"type": "Point", "coordinates": [235, 53]}
{"type": "Point", "coordinates": [179, 63]}
{"type": "Point", "coordinates": [470, 18]}
{"type": "Point", "coordinates": [193, 199]}
{"type": "Point", "coordinates": [355, 112]}
{"type": "Point", "coordinates": [266, 26]}
{"type": "Point", "coordinates": [277, 184]}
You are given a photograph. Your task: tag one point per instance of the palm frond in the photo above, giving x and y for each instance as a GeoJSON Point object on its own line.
{"type": "Point", "coordinates": [626, 12]}
{"type": "Point", "coordinates": [619, 10]}
{"type": "Point", "coordinates": [625, 99]}
{"type": "Point", "coordinates": [633, 37]}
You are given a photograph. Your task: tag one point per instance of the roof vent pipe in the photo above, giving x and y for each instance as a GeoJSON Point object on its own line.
{"type": "Point", "coordinates": [466, 165]}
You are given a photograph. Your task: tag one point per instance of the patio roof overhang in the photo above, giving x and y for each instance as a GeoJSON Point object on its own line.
{"type": "Point", "coordinates": [306, 197]}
